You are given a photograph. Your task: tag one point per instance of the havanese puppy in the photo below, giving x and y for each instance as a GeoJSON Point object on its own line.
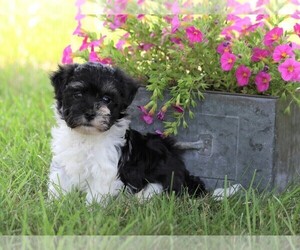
{"type": "Point", "coordinates": [95, 150]}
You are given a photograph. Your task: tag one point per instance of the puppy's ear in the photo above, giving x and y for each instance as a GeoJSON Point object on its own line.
{"type": "Point", "coordinates": [128, 87]}
{"type": "Point", "coordinates": [61, 77]}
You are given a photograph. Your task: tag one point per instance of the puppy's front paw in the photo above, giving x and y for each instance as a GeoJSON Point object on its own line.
{"type": "Point", "coordinates": [150, 190]}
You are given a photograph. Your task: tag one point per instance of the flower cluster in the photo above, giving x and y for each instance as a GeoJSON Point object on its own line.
{"type": "Point", "coordinates": [188, 47]}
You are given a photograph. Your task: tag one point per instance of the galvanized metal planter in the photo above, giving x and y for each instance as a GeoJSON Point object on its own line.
{"type": "Point", "coordinates": [244, 139]}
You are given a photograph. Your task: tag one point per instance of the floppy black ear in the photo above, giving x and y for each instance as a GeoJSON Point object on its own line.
{"type": "Point", "coordinates": [60, 78]}
{"type": "Point", "coordinates": [128, 87]}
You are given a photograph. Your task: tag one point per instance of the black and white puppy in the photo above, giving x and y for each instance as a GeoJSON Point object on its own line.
{"type": "Point", "coordinates": [94, 148]}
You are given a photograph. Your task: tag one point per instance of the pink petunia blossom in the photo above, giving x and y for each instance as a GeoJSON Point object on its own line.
{"type": "Point", "coordinates": [118, 21]}
{"type": "Point", "coordinates": [146, 116]}
{"type": "Point", "coordinates": [84, 44]}
{"type": "Point", "coordinates": [140, 2]}
{"type": "Point", "coordinates": [67, 55]}
{"type": "Point", "coordinates": [160, 115]}
{"type": "Point", "coordinates": [297, 29]}
{"type": "Point", "coordinates": [273, 36]}
{"type": "Point", "coordinates": [93, 57]}
{"type": "Point", "coordinates": [260, 17]}
{"type": "Point", "coordinates": [224, 47]}
{"type": "Point", "coordinates": [160, 133]}
{"type": "Point", "coordinates": [296, 14]}
{"type": "Point", "coordinates": [120, 44]}
{"type": "Point", "coordinates": [239, 8]}
{"type": "Point", "coordinates": [262, 81]}
{"type": "Point", "coordinates": [290, 69]}
{"type": "Point", "coordinates": [78, 31]}
{"type": "Point", "coordinates": [140, 16]}
{"type": "Point", "coordinates": [227, 61]}
{"type": "Point", "coordinates": [242, 24]}
{"type": "Point", "coordinates": [177, 41]}
{"type": "Point", "coordinates": [79, 3]}
{"type": "Point", "coordinates": [260, 3]}
{"type": "Point", "coordinates": [175, 24]}
{"type": "Point", "coordinates": [79, 15]}
{"type": "Point", "coordinates": [194, 35]}
{"type": "Point", "coordinates": [228, 32]}
{"type": "Point", "coordinates": [259, 54]}
{"type": "Point", "coordinates": [106, 60]}
{"type": "Point", "coordinates": [178, 108]}
{"type": "Point", "coordinates": [173, 6]}
{"type": "Point", "coordinates": [145, 46]}
{"type": "Point", "coordinates": [282, 52]}
{"type": "Point", "coordinates": [242, 75]}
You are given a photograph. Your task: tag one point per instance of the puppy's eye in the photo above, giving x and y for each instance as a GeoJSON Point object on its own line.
{"type": "Point", "coordinates": [77, 95]}
{"type": "Point", "coordinates": [106, 99]}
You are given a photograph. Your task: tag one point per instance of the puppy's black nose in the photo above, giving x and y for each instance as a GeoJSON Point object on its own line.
{"type": "Point", "coordinates": [90, 115]}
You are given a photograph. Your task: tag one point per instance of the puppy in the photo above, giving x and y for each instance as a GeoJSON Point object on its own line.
{"type": "Point", "coordinates": [94, 148]}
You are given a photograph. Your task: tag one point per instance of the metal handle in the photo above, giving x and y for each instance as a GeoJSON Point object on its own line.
{"type": "Point", "coordinates": [203, 145]}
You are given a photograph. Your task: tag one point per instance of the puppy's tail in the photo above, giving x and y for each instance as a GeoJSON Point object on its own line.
{"type": "Point", "coordinates": [195, 186]}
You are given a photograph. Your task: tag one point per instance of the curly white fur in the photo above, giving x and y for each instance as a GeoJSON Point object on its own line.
{"type": "Point", "coordinates": [87, 161]}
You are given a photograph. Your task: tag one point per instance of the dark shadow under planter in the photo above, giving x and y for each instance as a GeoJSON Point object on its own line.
{"type": "Point", "coordinates": [244, 139]}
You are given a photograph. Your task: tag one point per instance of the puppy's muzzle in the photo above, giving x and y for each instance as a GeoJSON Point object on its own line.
{"type": "Point", "coordinates": [90, 115]}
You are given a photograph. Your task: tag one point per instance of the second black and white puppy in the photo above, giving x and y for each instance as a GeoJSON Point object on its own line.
{"type": "Point", "coordinates": [94, 148]}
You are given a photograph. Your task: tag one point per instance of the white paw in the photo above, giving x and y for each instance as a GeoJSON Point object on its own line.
{"type": "Point", "coordinates": [220, 193]}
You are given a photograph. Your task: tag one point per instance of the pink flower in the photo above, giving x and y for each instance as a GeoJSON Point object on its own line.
{"type": "Point", "coordinates": [296, 14]}
{"type": "Point", "coordinates": [260, 3]}
{"type": "Point", "coordinates": [93, 57]}
{"type": "Point", "coordinates": [106, 60]}
{"type": "Point", "coordinates": [118, 21]}
{"type": "Point", "coordinates": [175, 24]}
{"type": "Point", "coordinates": [290, 70]}
{"type": "Point", "coordinates": [161, 115]}
{"type": "Point", "coordinates": [145, 46]}
{"type": "Point", "coordinates": [273, 36]}
{"type": "Point", "coordinates": [297, 29]}
{"type": "Point", "coordinates": [194, 35]}
{"type": "Point", "coordinates": [146, 116]}
{"type": "Point", "coordinates": [67, 55]}
{"type": "Point", "coordinates": [79, 15]}
{"type": "Point", "coordinates": [173, 6]}
{"type": "Point", "coordinates": [177, 41]}
{"type": "Point", "coordinates": [120, 44]}
{"type": "Point", "coordinates": [259, 54]}
{"type": "Point", "coordinates": [242, 24]}
{"type": "Point", "coordinates": [262, 81]}
{"type": "Point", "coordinates": [259, 17]}
{"type": "Point", "coordinates": [282, 52]}
{"type": "Point", "coordinates": [140, 16]}
{"type": "Point", "coordinates": [227, 61]}
{"type": "Point", "coordinates": [178, 108]}
{"type": "Point", "coordinates": [84, 44]}
{"type": "Point", "coordinates": [242, 75]}
{"type": "Point", "coordinates": [78, 31]}
{"type": "Point", "coordinates": [78, 3]}
{"type": "Point", "coordinates": [224, 47]}
{"type": "Point", "coordinates": [160, 133]}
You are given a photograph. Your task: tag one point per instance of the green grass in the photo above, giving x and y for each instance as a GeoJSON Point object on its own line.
{"type": "Point", "coordinates": [26, 119]}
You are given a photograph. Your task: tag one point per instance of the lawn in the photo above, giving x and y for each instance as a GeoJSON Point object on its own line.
{"type": "Point", "coordinates": [28, 54]}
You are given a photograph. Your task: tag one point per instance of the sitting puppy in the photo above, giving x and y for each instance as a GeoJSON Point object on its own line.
{"type": "Point", "coordinates": [94, 148]}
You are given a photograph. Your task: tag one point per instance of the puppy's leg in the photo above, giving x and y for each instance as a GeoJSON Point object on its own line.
{"type": "Point", "coordinates": [59, 184]}
{"type": "Point", "coordinates": [150, 190]}
{"type": "Point", "coordinates": [97, 192]}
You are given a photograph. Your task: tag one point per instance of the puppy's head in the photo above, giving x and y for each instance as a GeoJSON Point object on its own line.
{"type": "Point", "coordinates": [92, 96]}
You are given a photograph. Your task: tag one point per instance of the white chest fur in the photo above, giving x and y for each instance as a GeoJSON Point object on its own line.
{"type": "Point", "coordinates": [88, 161]}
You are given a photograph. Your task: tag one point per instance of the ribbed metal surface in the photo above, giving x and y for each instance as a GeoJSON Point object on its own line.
{"type": "Point", "coordinates": [248, 139]}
